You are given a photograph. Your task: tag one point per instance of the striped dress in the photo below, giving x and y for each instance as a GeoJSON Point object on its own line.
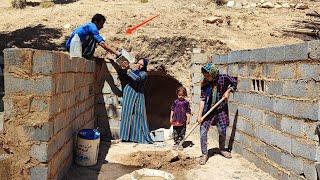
{"type": "Point", "coordinates": [134, 126]}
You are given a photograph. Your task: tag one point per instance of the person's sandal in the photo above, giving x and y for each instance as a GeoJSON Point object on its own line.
{"type": "Point", "coordinates": [203, 159]}
{"type": "Point", "coordinates": [226, 154]}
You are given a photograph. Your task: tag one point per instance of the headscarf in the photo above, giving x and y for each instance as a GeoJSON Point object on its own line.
{"type": "Point", "coordinates": [211, 69]}
{"type": "Point", "coordinates": [144, 68]}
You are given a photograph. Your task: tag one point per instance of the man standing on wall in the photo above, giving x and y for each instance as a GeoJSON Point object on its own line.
{"type": "Point", "coordinates": [90, 37]}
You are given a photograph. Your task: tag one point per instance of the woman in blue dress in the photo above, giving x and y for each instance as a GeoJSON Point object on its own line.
{"type": "Point", "coordinates": [134, 126]}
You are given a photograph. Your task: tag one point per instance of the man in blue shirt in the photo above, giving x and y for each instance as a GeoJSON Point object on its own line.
{"type": "Point", "coordinates": [90, 37]}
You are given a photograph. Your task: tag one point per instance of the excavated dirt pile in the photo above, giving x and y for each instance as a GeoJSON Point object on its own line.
{"type": "Point", "coordinates": [164, 160]}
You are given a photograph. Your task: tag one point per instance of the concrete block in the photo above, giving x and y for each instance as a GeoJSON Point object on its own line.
{"type": "Point", "coordinates": [292, 126]}
{"type": "Point", "coordinates": [243, 70]}
{"type": "Point", "coordinates": [39, 133]}
{"type": "Point", "coordinates": [314, 50]}
{"type": "Point", "coordinates": [245, 55]}
{"type": "Point", "coordinates": [258, 147]}
{"type": "Point", "coordinates": [223, 59]}
{"type": "Point", "coordinates": [59, 122]}
{"type": "Point", "coordinates": [197, 77]}
{"type": "Point", "coordinates": [305, 148]}
{"type": "Point", "coordinates": [292, 163]}
{"type": "Point", "coordinates": [275, 54]}
{"type": "Point", "coordinates": [274, 87]}
{"type": "Point", "coordinates": [268, 71]}
{"type": "Point", "coordinates": [19, 58]}
{"type": "Point", "coordinates": [273, 154]}
{"type": "Point", "coordinates": [244, 84]}
{"type": "Point", "coordinates": [308, 71]}
{"type": "Point", "coordinates": [39, 172]}
{"type": "Point", "coordinates": [43, 86]}
{"type": "Point", "coordinates": [233, 70]}
{"type": "Point", "coordinates": [296, 52]}
{"type": "Point", "coordinates": [275, 138]}
{"type": "Point", "coordinates": [216, 59]}
{"type": "Point", "coordinates": [262, 102]}
{"type": "Point", "coordinates": [272, 120]}
{"type": "Point", "coordinates": [43, 63]}
{"type": "Point", "coordinates": [258, 55]}
{"type": "Point", "coordinates": [284, 106]}
{"type": "Point", "coordinates": [40, 104]}
{"type": "Point", "coordinates": [295, 88]}
{"type": "Point", "coordinates": [199, 58]}
{"type": "Point", "coordinates": [309, 170]}
{"type": "Point", "coordinates": [41, 152]}
{"type": "Point", "coordinates": [277, 172]}
{"type": "Point", "coordinates": [286, 71]}
{"type": "Point", "coordinates": [223, 69]}
{"type": "Point", "coordinates": [306, 109]}
{"type": "Point", "coordinates": [66, 65]}
{"type": "Point", "coordinates": [310, 130]}
{"type": "Point", "coordinates": [237, 147]}
{"type": "Point", "coordinates": [234, 57]}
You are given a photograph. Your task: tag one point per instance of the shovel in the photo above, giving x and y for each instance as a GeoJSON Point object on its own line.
{"type": "Point", "coordinates": [204, 116]}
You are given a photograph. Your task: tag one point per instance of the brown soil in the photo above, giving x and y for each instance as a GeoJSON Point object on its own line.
{"type": "Point", "coordinates": [163, 160]}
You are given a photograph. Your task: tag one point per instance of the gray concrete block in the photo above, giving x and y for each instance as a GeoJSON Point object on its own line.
{"type": "Point", "coordinates": [292, 126]}
{"type": "Point", "coordinates": [291, 163]}
{"type": "Point", "coordinates": [258, 55]}
{"type": "Point", "coordinates": [272, 120]}
{"type": "Point", "coordinates": [39, 173]}
{"type": "Point", "coordinates": [273, 154]}
{"type": "Point", "coordinates": [223, 59]}
{"type": "Point", "coordinates": [40, 133]}
{"type": "Point", "coordinates": [258, 147]}
{"type": "Point", "coordinates": [262, 102]}
{"type": "Point", "coordinates": [244, 84]}
{"type": "Point", "coordinates": [43, 86]}
{"type": "Point", "coordinates": [245, 55]}
{"type": "Point", "coordinates": [243, 70]}
{"type": "Point", "coordinates": [307, 109]}
{"type": "Point", "coordinates": [275, 54]}
{"type": "Point", "coordinates": [310, 130]}
{"type": "Point", "coordinates": [223, 69]}
{"type": "Point", "coordinates": [304, 148]}
{"type": "Point", "coordinates": [43, 63]}
{"type": "Point", "coordinates": [314, 49]}
{"type": "Point", "coordinates": [287, 71]}
{"type": "Point", "coordinates": [216, 59]}
{"type": "Point", "coordinates": [234, 57]}
{"type": "Point", "coordinates": [197, 77]}
{"type": "Point", "coordinates": [309, 71]}
{"type": "Point", "coordinates": [295, 88]}
{"type": "Point", "coordinates": [277, 172]}
{"type": "Point", "coordinates": [275, 138]}
{"type": "Point", "coordinates": [296, 52]}
{"type": "Point", "coordinates": [284, 106]}
{"type": "Point", "coordinates": [309, 170]}
{"type": "Point", "coordinates": [40, 152]}
{"type": "Point", "coordinates": [274, 87]}
{"type": "Point", "coordinates": [233, 70]}
{"type": "Point", "coordinates": [18, 57]}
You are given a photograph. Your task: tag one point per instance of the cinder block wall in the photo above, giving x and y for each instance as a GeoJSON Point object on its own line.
{"type": "Point", "coordinates": [276, 109]}
{"type": "Point", "coordinates": [49, 97]}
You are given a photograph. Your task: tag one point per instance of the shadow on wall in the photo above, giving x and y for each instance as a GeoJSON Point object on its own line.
{"type": "Point", "coordinates": [233, 132]}
{"type": "Point", "coordinates": [37, 37]}
{"type": "Point", "coordinates": [160, 92]}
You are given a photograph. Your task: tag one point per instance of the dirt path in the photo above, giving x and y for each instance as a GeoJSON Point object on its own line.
{"type": "Point", "coordinates": [123, 158]}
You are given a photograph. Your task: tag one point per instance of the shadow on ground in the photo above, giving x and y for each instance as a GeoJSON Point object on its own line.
{"type": "Point", "coordinates": [37, 37]}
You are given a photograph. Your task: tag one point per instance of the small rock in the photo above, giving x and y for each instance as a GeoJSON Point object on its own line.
{"type": "Point", "coordinates": [292, 5]}
{"type": "Point", "coordinates": [275, 34]}
{"type": "Point", "coordinates": [213, 20]}
{"type": "Point", "coordinates": [268, 5]}
{"type": "Point", "coordinates": [277, 6]}
{"type": "Point", "coordinates": [286, 5]}
{"type": "Point", "coordinates": [253, 5]}
{"type": "Point", "coordinates": [66, 26]}
{"type": "Point", "coordinates": [230, 4]}
{"type": "Point", "coordinates": [302, 6]}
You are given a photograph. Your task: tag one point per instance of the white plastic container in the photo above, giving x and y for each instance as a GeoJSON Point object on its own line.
{"type": "Point", "coordinates": [75, 46]}
{"type": "Point", "coordinates": [87, 147]}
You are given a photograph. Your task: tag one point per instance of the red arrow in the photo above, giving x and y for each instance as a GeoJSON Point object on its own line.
{"type": "Point", "coordinates": [130, 30]}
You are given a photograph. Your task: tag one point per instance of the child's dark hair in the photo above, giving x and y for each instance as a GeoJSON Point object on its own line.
{"type": "Point", "coordinates": [182, 89]}
{"type": "Point", "coordinates": [98, 18]}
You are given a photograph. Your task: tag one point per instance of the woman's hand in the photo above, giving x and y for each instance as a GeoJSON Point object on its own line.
{"type": "Point", "coordinates": [199, 120]}
{"type": "Point", "coordinates": [226, 94]}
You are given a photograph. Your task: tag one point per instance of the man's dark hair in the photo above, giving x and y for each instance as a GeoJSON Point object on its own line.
{"type": "Point", "coordinates": [98, 18]}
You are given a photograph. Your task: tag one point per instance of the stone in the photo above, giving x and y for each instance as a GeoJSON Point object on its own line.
{"type": "Point", "coordinates": [286, 5]}
{"type": "Point", "coordinates": [39, 173]}
{"type": "Point", "coordinates": [214, 20]}
{"type": "Point", "coordinates": [231, 4]}
{"type": "Point", "coordinates": [268, 5]}
{"type": "Point", "coordinates": [302, 6]}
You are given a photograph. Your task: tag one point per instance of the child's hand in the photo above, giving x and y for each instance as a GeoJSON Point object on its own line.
{"type": "Point", "coordinates": [171, 121]}
{"type": "Point", "coordinates": [188, 121]}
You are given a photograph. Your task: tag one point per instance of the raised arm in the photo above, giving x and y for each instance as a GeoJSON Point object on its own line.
{"type": "Point", "coordinates": [141, 77]}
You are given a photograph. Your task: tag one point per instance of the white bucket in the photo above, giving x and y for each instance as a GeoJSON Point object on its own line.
{"type": "Point", "coordinates": [88, 147]}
